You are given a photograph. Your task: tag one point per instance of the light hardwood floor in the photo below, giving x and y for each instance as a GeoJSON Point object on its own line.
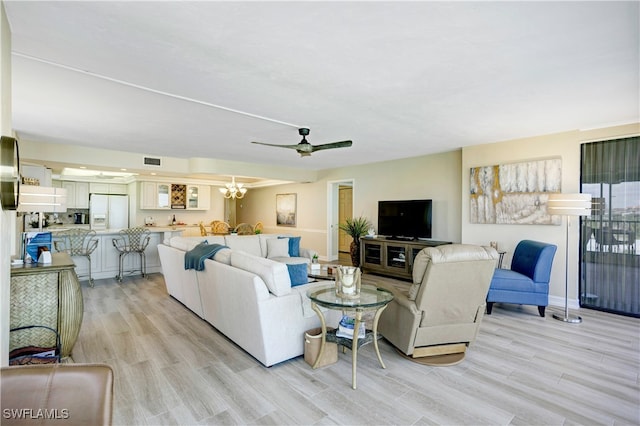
{"type": "Point", "coordinates": [173, 368]}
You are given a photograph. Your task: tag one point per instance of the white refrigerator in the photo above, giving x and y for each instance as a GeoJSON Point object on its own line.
{"type": "Point", "coordinates": [108, 211]}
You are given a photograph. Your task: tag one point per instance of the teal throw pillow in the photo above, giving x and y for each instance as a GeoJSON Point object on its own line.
{"type": "Point", "coordinates": [298, 274]}
{"type": "Point", "coordinates": [294, 246]}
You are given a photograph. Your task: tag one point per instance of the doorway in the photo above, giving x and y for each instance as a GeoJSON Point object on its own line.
{"type": "Point", "coordinates": [339, 208]}
{"type": "Point", "coordinates": [345, 211]}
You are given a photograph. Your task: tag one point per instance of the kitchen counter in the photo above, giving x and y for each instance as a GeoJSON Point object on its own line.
{"type": "Point", "coordinates": [104, 260]}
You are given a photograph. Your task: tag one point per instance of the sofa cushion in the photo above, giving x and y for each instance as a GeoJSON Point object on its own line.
{"type": "Point", "coordinates": [277, 247]}
{"type": "Point", "coordinates": [263, 242]}
{"type": "Point", "coordinates": [298, 274]}
{"type": "Point", "coordinates": [292, 260]}
{"type": "Point", "coordinates": [246, 243]}
{"type": "Point", "coordinates": [505, 279]}
{"type": "Point", "coordinates": [216, 239]}
{"type": "Point", "coordinates": [187, 243]}
{"type": "Point", "coordinates": [223, 256]}
{"type": "Point", "coordinates": [274, 274]}
{"type": "Point", "coordinates": [294, 245]}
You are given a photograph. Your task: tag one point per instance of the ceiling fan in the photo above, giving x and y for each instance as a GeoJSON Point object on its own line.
{"type": "Point", "coordinates": [305, 149]}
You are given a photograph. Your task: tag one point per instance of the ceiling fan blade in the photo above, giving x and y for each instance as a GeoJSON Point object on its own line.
{"type": "Point", "coordinates": [279, 146]}
{"type": "Point", "coordinates": [332, 145]}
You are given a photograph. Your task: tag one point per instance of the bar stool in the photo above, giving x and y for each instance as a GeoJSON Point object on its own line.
{"type": "Point", "coordinates": [77, 242]}
{"type": "Point", "coordinates": [132, 240]}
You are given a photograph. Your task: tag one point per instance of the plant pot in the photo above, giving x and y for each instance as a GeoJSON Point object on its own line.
{"type": "Point", "coordinates": [354, 250]}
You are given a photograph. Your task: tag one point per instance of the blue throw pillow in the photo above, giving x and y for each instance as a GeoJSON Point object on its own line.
{"type": "Point", "coordinates": [298, 274]}
{"type": "Point", "coordinates": [294, 246]}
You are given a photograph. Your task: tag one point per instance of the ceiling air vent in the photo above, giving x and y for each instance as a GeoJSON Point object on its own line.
{"type": "Point", "coordinates": [151, 161]}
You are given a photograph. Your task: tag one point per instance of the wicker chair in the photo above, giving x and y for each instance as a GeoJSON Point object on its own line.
{"type": "Point", "coordinates": [244, 229]}
{"type": "Point", "coordinates": [203, 230]}
{"type": "Point", "coordinates": [258, 227]}
{"type": "Point", "coordinates": [77, 242]}
{"type": "Point", "coordinates": [220, 228]}
{"type": "Point", "coordinates": [132, 240]}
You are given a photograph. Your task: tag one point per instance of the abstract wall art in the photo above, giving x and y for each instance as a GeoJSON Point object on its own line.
{"type": "Point", "coordinates": [286, 209]}
{"type": "Point", "coordinates": [515, 193]}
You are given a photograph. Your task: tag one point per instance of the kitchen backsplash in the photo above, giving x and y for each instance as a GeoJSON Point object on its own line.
{"type": "Point", "coordinates": [68, 218]}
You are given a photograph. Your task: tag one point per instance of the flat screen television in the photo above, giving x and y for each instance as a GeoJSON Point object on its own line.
{"type": "Point", "coordinates": [405, 219]}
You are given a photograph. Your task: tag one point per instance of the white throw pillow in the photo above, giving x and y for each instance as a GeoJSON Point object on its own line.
{"type": "Point", "coordinates": [277, 247]}
{"type": "Point", "coordinates": [274, 274]}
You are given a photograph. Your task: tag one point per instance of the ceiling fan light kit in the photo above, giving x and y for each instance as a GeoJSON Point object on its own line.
{"type": "Point", "coordinates": [304, 148]}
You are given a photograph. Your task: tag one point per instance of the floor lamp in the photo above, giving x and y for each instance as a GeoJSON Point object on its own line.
{"type": "Point", "coordinates": [568, 205]}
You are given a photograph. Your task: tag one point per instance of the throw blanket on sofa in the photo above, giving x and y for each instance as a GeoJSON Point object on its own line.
{"type": "Point", "coordinates": [194, 259]}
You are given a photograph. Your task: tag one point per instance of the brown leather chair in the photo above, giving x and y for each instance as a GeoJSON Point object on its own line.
{"type": "Point", "coordinates": [69, 394]}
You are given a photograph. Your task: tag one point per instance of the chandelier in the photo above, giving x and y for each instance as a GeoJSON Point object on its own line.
{"type": "Point", "coordinates": [233, 189]}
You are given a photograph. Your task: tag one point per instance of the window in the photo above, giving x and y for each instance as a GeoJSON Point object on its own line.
{"type": "Point", "coordinates": [610, 249]}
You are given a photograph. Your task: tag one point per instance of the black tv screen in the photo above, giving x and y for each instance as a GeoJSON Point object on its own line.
{"type": "Point", "coordinates": [406, 219]}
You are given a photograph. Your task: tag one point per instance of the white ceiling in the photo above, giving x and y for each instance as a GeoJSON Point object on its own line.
{"type": "Point", "coordinates": [398, 78]}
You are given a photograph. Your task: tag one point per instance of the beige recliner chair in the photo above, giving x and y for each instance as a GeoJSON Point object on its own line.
{"type": "Point", "coordinates": [439, 315]}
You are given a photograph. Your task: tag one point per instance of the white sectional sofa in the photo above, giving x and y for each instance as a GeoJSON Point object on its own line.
{"type": "Point", "coordinates": [245, 294]}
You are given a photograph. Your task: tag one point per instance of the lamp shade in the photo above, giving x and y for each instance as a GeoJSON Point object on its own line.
{"type": "Point", "coordinates": [569, 204]}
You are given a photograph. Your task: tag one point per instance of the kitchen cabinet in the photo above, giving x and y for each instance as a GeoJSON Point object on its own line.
{"type": "Point", "coordinates": [198, 197]}
{"type": "Point", "coordinates": [77, 194]}
{"type": "Point", "coordinates": [108, 188]}
{"type": "Point", "coordinates": [163, 195]}
{"type": "Point", "coordinates": [39, 175]}
{"type": "Point", "coordinates": [158, 196]}
{"type": "Point", "coordinates": [155, 196]}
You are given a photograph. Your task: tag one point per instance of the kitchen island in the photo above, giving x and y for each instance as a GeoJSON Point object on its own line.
{"type": "Point", "coordinates": [104, 260]}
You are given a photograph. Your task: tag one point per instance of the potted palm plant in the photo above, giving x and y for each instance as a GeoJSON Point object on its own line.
{"type": "Point", "coordinates": [355, 227]}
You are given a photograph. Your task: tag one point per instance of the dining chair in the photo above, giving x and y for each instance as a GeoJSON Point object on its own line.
{"type": "Point", "coordinates": [244, 229]}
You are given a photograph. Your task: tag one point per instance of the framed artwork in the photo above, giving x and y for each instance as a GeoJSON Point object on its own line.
{"type": "Point", "coordinates": [515, 193]}
{"type": "Point", "coordinates": [286, 209]}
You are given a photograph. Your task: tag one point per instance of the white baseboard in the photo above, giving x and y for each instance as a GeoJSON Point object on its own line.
{"type": "Point", "coordinates": [559, 301]}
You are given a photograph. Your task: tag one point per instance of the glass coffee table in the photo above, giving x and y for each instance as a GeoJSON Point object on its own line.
{"type": "Point", "coordinates": [324, 272]}
{"type": "Point", "coordinates": [371, 298]}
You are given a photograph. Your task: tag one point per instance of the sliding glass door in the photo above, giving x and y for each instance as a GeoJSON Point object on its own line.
{"type": "Point", "coordinates": [610, 237]}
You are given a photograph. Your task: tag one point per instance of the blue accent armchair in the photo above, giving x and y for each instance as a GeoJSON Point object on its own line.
{"type": "Point", "coordinates": [527, 282]}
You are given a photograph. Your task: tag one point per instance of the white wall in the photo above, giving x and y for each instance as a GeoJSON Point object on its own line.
{"type": "Point", "coordinates": [435, 177]}
{"type": "Point", "coordinates": [7, 218]}
{"type": "Point", "coordinates": [565, 145]}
